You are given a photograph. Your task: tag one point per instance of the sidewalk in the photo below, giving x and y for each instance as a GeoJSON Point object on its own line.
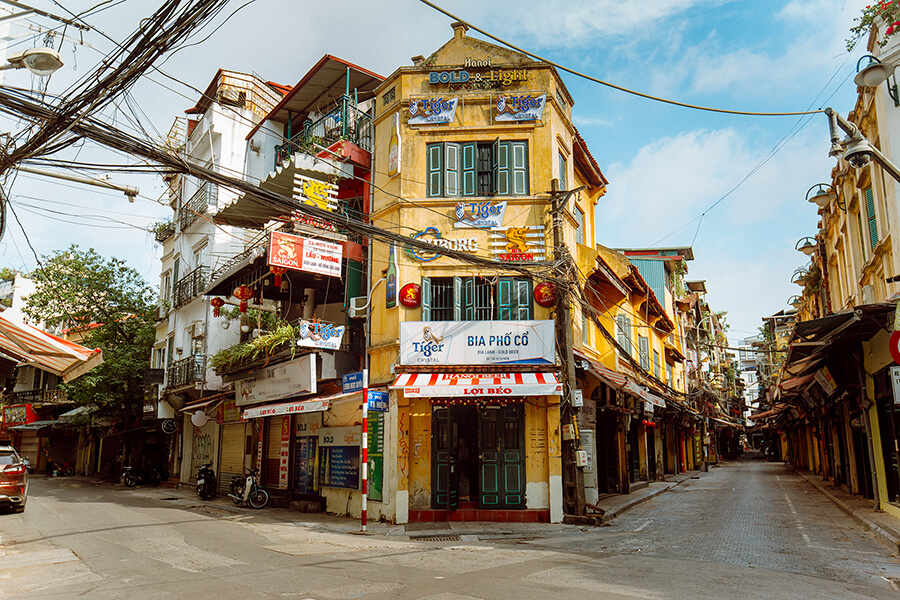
{"type": "Point", "coordinates": [885, 527]}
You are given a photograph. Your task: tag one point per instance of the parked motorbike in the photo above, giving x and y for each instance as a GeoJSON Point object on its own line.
{"type": "Point", "coordinates": [206, 482]}
{"type": "Point", "coordinates": [247, 490]}
{"type": "Point", "coordinates": [135, 476]}
{"type": "Point", "coordinates": [63, 468]}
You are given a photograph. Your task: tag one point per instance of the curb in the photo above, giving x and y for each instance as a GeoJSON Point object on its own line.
{"type": "Point", "coordinates": [888, 538]}
{"type": "Point", "coordinates": [612, 514]}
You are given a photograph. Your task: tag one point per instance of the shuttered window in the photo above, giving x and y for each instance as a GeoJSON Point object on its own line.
{"type": "Point", "coordinates": [670, 374]}
{"type": "Point", "coordinates": [497, 168]}
{"type": "Point", "coordinates": [644, 351]}
{"type": "Point", "coordinates": [476, 299]}
{"type": "Point", "coordinates": [656, 364]}
{"type": "Point", "coordinates": [870, 215]}
{"type": "Point", "coordinates": [623, 332]}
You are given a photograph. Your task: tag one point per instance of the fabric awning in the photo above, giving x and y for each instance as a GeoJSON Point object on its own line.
{"type": "Point", "coordinates": [315, 404]}
{"type": "Point", "coordinates": [34, 425]}
{"type": "Point", "coordinates": [430, 385]}
{"type": "Point", "coordinates": [644, 394]}
{"type": "Point", "coordinates": [46, 351]}
{"type": "Point", "coordinates": [607, 375]}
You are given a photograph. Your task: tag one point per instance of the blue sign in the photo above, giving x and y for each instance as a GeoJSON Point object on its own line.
{"type": "Point", "coordinates": [378, 401]}
{"type": "Point", "coordinates": [352, 382]}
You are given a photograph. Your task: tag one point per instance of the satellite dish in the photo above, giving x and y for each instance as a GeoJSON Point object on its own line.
{"type": "Point", "coordinates": [199, 419]}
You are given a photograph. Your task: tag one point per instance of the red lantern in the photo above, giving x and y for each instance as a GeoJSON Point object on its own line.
{"type": "Point", "coordinates": [217, 303]}
{"type": "Point", "coordinates": [243, 293]}
{"type": "Point", "coordinates": [411, 295]}
{"type": "Point", "coordinates": [545, 294]}
{"type": "Point", "coordinates": [278, 272]}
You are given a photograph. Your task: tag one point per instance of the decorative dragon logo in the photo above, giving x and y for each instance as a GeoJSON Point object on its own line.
{"type": "Point", "coordinates": [516, 238]}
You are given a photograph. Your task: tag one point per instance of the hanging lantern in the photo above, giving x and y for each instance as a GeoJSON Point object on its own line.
{"type": "Point", "coordinates": [278, 272]}
{"type": "Point", "coordinates": [217, 303]}
{"type": "Point", "coordinates": [545, 294]}
{"type": "Point", "coordinates": [411, 295]}
{"type": "Point", "coordinates": [243, 293]}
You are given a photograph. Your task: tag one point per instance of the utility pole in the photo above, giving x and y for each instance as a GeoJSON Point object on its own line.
{"type": "Point", "coordinates": [573, 477]}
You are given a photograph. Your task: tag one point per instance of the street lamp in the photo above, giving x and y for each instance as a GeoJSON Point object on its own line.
{"type": "Point", "coordinates": [795, 301]}
{"type": "Point", "coordinates": [807, 246]}
{"type": "Point", "coordinates": [825, 193]}
{"type": "Point", "coordinates": [40, 61]}
{"type": "Point", "coordinates": [874, 73]}
{"type": "Point", "coordinates": [855, 147]}
{"type": "Point", "coordinates": [800, 277]}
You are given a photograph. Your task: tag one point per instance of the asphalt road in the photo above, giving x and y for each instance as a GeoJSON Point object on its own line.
{"type": "Point", "coordinates": [744, 530]}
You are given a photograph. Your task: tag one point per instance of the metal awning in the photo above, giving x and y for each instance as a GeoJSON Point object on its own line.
{"type": "Point", "coordinates": [431, 385]}
{"type": "Point", "coordinates": [34, 426]}
{"type": "Point", "coordinates": [644, 394]}
{"type": "Point", "coordinates": [46, 351]}
{"type": "Point", "coordinates": [72, 415]}
{"type": "Point", "coordinates": [606, 375]}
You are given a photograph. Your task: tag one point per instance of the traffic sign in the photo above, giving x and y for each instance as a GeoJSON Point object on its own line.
{"type": "Point", "coordinates": [352, 382]}
{"type": "Point", "coordinates": [378, 401]}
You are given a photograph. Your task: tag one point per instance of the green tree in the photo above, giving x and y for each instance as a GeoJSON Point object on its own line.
{"type": "Point", "coordinates": [110, 306]}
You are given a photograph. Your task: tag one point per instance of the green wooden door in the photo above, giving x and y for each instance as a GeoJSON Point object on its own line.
{"type": "Point", "coordinates": [501, 442]}
{"type": "Point", "coordinates": [444, 476]}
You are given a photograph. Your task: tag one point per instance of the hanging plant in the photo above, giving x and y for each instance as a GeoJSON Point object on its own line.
{"type": "Point", "coordinates": [888, 11]}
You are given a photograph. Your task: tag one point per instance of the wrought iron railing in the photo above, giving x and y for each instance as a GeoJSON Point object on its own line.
{"type": "Point", "coordinates": [346, 122]}
{"type": "Point", "coordinates": [32, 396]}
{"type": "Point", "coordinates": [186, 371]}
{"type": "Point", "coordinates": [190, 286]}
{"type": "Point", "coordinates": [206, 195]}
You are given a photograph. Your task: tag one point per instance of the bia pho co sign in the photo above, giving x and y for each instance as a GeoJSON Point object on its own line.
{"type": "Point", "coordinates": [477, 342]}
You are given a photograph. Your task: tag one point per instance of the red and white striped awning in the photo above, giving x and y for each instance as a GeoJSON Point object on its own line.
{"type": "Point", "coordinates": [430, 385]}
{"type": "Point", "coordinates": [46, 351]}
{"type": "Point", "coordinates": [315, 404]}
{"type": "Point", "coordinates": [644, 394]}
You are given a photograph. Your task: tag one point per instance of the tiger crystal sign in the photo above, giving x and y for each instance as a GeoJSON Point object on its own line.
{"type": "Point", "coordinates": [304, 254]}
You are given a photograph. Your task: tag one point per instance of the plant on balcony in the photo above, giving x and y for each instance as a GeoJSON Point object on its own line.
{"type": "Point", "coordinates": [263, 346]}
{"type": "Point", "coordinates": [105, 304]}
{"type": "Point", "coordinates": [163, 230]}
{"type": "Point", "coordinates": [883, 12]}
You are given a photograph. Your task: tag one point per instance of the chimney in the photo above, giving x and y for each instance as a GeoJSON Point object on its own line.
{"type": "Point", "coordinates": [459, 29]}
{"type": "Point", "coordinates": [417, 60]}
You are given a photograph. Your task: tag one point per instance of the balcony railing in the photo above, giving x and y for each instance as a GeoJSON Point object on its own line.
{"type": "Point", "coordinates": [190, 286]}
{"type": "Point", "coordinates": [346, 122]}
{"type": "Point", "coordinates": [198, 204]}
{"type": "Point", "coordinates": [186, 371]}
{"type": "Point", "coordinates": [37, 396]}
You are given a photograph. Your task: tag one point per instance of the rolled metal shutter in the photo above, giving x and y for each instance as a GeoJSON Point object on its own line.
{"type": "Point", "coordinates": [231, 454]}
{"type": "Point", "coordinates": [273, 452]}
{"type": "Point", "coordinates": [29, 447]}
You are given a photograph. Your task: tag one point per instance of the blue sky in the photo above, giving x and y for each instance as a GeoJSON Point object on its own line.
{"type": "Point", "coordinates": [666, 165]}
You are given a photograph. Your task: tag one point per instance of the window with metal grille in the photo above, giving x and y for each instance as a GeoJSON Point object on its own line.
{"type": "Point", "coordinates": [870, 214]}
{"type": "Point", "coordinates": [498, 168]}
{"type": "Point", "coordinates": [476, 299]}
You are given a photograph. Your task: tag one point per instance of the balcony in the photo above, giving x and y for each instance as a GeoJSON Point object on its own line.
{"type": "Point", "coordinates": [204, 197]}
{"type": "Point", "coordinates": [186, 371]}
{"type": "Point", "coordinates": [37, 397]}
{"type": "Point", "coordinates": [163, 231]}
{"type": "Point", "coordinates": [346, 122]}
{"type": "Point", "coordinates": [189, 287]}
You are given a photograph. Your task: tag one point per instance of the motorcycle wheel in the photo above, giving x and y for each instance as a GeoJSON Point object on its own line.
{"type": "Point", "coordinates": [129, 480]}
{"type": "Point", "coordinates": [236, 499]}
{"type": "Point", "coordinates": [69, 471]}
{"type": "Point", "coordinates": [259, 499]}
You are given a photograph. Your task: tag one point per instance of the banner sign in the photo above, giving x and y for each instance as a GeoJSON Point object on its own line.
{"type": "Point", "coordinates": [525, 243]}
{"type": "Point", "coordinates": [303, 254]}
{"type": "Point", "coordinates": [432, 235]}
{"type": "Point", "coordinates": [288, 408]}
{"type": "Point", "coordinates": [432, 111]}
{"type": "Point", "coordinates": [280, 381]}
{"type": "Point", "coordinates": [477, 342]}
{"type": "Point", "coordinates": [480, 214]}
{"type": "Point", "coordinates": [526, 107]}
{"type": "Point", "coordinates": [320, 335]}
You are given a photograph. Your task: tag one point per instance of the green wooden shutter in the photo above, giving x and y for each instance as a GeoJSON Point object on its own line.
{"type": "Point", "coordinates": [620, 332]}
{"type": "Point", "coordinates": [519, 168]}
{"type": "Point", "coordinates": [451, 169]}
{"type": "Point", "coordinates": [435, 170]}
{"type": "Point", "coordinates": [501, 168]}
{"type": "Point", "coordinates": [458, 299]}
{"type": "Point", "coordinates": [469, 162]}
{"type": "Point", "coordinates": [870, 214]}
{"type": "Point", "coordinates": [505, 299]}
{"type": "Point", "coordinates": [523, 300]}
{"type": "Point", "coordinates": [426, 298]}
{"type": "Point", "coordinates": [467, 297]}
{"type": "Point", "coordinates": [862, 236]}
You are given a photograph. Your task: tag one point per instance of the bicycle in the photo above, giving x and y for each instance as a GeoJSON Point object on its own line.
{"type": "Point", "coordinates": [247, 489]}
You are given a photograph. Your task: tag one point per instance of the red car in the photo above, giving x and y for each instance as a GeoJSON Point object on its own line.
{"type": "Point", "coordinates": [13, 479]}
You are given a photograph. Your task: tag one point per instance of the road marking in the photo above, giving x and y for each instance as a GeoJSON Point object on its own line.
{"type": "Point", "coordinates": [803, 533]}
{"type": "Point", "coordinates": [647, 522]}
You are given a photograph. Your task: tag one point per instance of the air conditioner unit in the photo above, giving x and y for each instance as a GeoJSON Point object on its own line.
{"type": "Point", "coordinates": [868, 294]}
{"type": "Point", "coordinates": [359, 307]}
{"type": "Point", "coordinates": [198, 329]}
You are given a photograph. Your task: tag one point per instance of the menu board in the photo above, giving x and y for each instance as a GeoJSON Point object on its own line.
{"type": "Point", "coordinates": [339, 466]}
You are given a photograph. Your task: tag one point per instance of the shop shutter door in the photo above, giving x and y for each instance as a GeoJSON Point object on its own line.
{"type": "Point", "coordinates": [231, 455]}
{"type": "Point", "coordinates": [273, 452]}
{"type": "Point", "coordinates": [29, 446]}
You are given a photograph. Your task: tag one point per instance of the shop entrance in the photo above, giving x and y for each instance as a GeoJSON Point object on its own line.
{"type": "Point", "coordinates": [478, 457]}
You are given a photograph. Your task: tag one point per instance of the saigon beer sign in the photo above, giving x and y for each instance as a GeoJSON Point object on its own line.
{"type": "Point", "coordinates": [305, 254]}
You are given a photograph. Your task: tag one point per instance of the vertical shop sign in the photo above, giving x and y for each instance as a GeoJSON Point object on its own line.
{"type": "Point", "coordinates": [376, 455]}
{"type": "Point", "coordinates": [284, 457]}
